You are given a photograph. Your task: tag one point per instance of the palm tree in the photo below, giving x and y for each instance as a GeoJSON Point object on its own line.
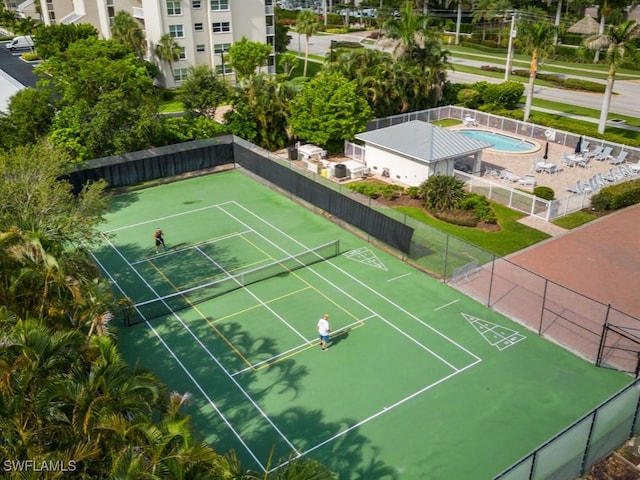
{"type": "Point", "coordinates": [407, 30]}
{"type": "Point", "coordinates": [537, 38]}
{"type": "Point", "coordinates": [167, 50]}
{"type": "Point", "coordinates": [458, 17]}
{"type": "Point", "coordinates": [483, 11]}
{"type": "Point", "coordinates": [127, 31]}
{"type": "Point", "coordinates": [307, 24]}
{"type": "Point", "coordinates": [502, 9]}
{"type": "Point", "coordinates": [618, 41]}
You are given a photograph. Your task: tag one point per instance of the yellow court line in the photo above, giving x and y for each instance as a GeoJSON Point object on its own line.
{"type": "Point", "coordinates": [259, 305]}
{"type": "Point", "coordinates": [205, 318]}
{"type": "Point", "coordinates": [329, 299]}
{"type": "Point", "coordinates": [304, 349]}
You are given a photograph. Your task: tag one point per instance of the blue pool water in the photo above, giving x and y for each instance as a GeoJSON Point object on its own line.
{"type": "Point", "coordinates": [501, 142]}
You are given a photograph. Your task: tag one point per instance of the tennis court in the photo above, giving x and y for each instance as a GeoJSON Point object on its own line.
{"type": "Point", "coordinates": [419, 381]}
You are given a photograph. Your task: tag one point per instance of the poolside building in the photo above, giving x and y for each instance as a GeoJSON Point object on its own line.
{"type": "Point", "coordinates": [411, 152]}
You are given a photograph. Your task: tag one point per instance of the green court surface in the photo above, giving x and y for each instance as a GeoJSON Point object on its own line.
{"type": "Point", "coordinates": [420, 382]}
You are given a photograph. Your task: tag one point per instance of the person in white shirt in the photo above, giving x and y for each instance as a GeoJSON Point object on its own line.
{"type": "Point", "coordinates": [323, 331]}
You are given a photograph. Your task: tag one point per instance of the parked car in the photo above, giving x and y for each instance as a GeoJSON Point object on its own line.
{"type": "Point", "coordinates": [20, 42]}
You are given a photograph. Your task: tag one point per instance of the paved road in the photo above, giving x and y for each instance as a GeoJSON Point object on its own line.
{"type": "Point", "coordinates": [626, 100]}
{"type": "Point", "coordinates": [14, 74]}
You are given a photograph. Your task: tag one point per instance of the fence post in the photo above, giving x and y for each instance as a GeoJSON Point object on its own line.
{"type": "Point", "coordinates": [603, 339]}
{"type": "Point", "coordinates": [493, 266]}
{"type": "Point", "coordinates": [544, 300]}
{"type": "Point", "coordinates": [586, 447]}
{"type": "Point", "coordinates": [446, 257]}
{"type": "Point", "coordinates": [635, 414]}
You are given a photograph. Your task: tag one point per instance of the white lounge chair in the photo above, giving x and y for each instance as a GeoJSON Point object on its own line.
{"type": "Point", "coordinates": [469, 121]}
{"type": "Point", "coordinates": [597, 151]}
{"type": "Point", "coordinates": [528, 181]}
{"type": "Point", "coordinates": [604, 155]}
{"type": "Point", "coordinates": [635, 167]}
{"type": "Point", "coordinates": [620, 158]}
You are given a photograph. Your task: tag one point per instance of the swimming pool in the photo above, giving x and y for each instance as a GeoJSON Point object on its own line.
{"type": "Point", "coordinates": [502, 142]}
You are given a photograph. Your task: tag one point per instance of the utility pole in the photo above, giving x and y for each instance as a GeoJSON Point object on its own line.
{"type": "Point", "coordinates": [512, 33]}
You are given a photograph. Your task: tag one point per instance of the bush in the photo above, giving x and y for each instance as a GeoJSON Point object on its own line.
{"type": "Point", "coordinates": [546, 193]}
{"type": "Point", "coordinates": [470, 98]}
{"type": "Point", "coordinates": [601, 201]}
{"type": "Point", "coordinates": [618, 196]}
{"type": "Point", "coordinates": [578, 84]}
{"type": "Point", "coordinates": [463, 218]}
{"type": "Point", "coordinates": [413, 193]}
{"type": "Point", "coordinates": [503, 95]}
{"type": "Point", "coordinates": [480, 207]}
{"type": "Point", "coordinates": [376, 189]}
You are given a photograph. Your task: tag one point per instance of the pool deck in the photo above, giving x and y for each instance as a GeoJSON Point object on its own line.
{"type": "Point", "coordinates": [522, 164]}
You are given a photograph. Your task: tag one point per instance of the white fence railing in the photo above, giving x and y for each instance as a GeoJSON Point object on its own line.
{"type": "Point", "coordinates": [510, 196]}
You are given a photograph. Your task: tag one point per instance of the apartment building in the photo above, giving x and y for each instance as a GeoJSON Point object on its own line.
{"type": "Point", "coordinates": [204, 29]}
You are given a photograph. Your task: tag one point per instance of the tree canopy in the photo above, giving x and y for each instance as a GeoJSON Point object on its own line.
{"type": "Point", "coordinates": [247, 57]}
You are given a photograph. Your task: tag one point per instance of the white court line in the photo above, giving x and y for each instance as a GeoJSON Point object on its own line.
{"type": "Point", "coordinates": [392, 303]}
{"type": "Point", "coordinates": [348, 295]}
{"type": "Point", "coordinates": [180, 250]}
{"type": "Point", "coordinates": [217, 362]}
{"type": "Point", "coordinates": [303, 345]}
{"type": "Point", "coordinates": [380, 412]}
{"type": "Point", "coordinates": [398, 278]}
{"type": "Point", "coordinates": [184, 369]}
{"type": "Point", "coordinates": [159, 219]}
{"type": "Point", "coordinates": [446, 305]}
{"type": "Point", "coordinates": [253, 295]}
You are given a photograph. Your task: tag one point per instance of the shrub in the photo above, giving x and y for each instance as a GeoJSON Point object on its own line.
{"type": "Point", "coordinates": [480, 207]}
{"type": "Point", "coordinates": [413, 192]}
{"type": "Point", "coordinates": [546, 193]}
{"type": "Point", "coordinates": [620, 196]}
{"type": "Point", "coordinates": [601, 201]}
{"type": "Point", "coordinates": [463, 218]}
{"type": "Point", "coordinates": [470, 98]}
{"type": "Point", "coordinates": [442, 192]}
{"type": "Point", "coordinates": [579, 84]}
{"type": "Point", "coordinates": [503, 95]}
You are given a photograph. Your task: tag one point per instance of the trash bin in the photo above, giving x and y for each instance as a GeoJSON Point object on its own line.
{"type": "Point", "coordinates": [293, 153]}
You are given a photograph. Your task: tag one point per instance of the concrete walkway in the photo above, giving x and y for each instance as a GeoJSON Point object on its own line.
{"type": "Point", "coordinates": [543, 226]}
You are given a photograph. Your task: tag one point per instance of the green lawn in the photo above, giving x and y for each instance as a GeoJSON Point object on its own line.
{"type": "Point", "coordinates": [513, 236]}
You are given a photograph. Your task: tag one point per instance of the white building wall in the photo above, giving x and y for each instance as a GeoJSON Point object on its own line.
{"type": "Point", "coordinates": [401, 169]}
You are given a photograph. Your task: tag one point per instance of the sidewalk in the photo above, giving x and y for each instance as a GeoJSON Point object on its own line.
{"type": "Point", "coordinates": [542, 225]}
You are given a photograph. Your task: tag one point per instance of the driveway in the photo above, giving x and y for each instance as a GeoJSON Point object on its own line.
{"type": "Point", "coordinates": [15, 74]}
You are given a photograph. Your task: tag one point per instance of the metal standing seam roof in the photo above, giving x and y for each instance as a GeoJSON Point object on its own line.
{"type": "Point", "coordinates": [411, 139]}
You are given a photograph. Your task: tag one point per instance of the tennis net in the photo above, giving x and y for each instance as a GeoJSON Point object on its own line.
{"type": "Point", "coordinates": [184, 299]}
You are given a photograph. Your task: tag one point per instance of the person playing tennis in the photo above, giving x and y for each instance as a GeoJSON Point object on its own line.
{"type": "Point", "coordinates": [158, 236]}
{"type": "Point", "coordinates": [323, 331]}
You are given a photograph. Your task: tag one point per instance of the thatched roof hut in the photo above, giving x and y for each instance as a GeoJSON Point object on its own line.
{"type": "Point", "coordinates": [586, 26]}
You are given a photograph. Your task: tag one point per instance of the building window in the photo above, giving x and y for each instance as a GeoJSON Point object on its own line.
{"type": "Point", "coordinates": [183, 54]}
{"type": "Point", "coordinates": [218, 48]}
{"type": "Point", "coordinates": [173, 8]}
{"type": "Point", "coordinates": [176, 31]}
{"type": "Point", "coordinates": [200, 48]}
{"type": "Point", "coordinates": [196, 4]}
{"type": "Point", "coordinates": [180, 74]}
{"type": "Point", "coordinates": [198, 27]}
{"type": "Point", "coordinates": [219, 4]}
{"type": "Point", "coordinates": [219, 27]}
{"type": "Point", "coordinates": [223, 69]}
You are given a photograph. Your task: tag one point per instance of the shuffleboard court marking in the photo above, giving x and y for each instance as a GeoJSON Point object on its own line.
{"type": "Point", "coordinates": [424, 347]}
{"type": "Point", "coordinates": [373, 291]}
{"type": "Point", "coordinates": [182, 366]}
{"type": "Point", "coordinates": [446, 305]}
{"type": "Point", "coordinates": [398, 277]}
{"type": "Point", "coordinates": [210, 355]}
{"type": "Point", "coordinates": [367, 256]}
{"type": "Point", "coordinates": [495, 335]}
{"type": "Point", "coordinates": [159, 219]}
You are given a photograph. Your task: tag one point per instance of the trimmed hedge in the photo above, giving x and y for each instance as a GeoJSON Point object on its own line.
{"type": "Point", "coordinates": [617, 196]}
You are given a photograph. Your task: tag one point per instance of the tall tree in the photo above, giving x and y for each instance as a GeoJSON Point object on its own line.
{"type": "Point", "coordinates": [167, 50]}
{"type": "Point", "coordinates": [328, 111]}
{"type": "Point", "coordinates": [307, 24]}
{"type": "Point", "coordinates": [127, 31]}
{"type": "Point", "coordinates": [483, 11]}
{"type": "Point", "coordinates": [537, 39]}
{"type": "Point", "coordinates": [247, 57]}
{"type": "Point", "coordinates": [202, 91]}
{"type": "Point", "coordinates": [406, 30]}
{"type": "Point", "coordinates": [619, 43]}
